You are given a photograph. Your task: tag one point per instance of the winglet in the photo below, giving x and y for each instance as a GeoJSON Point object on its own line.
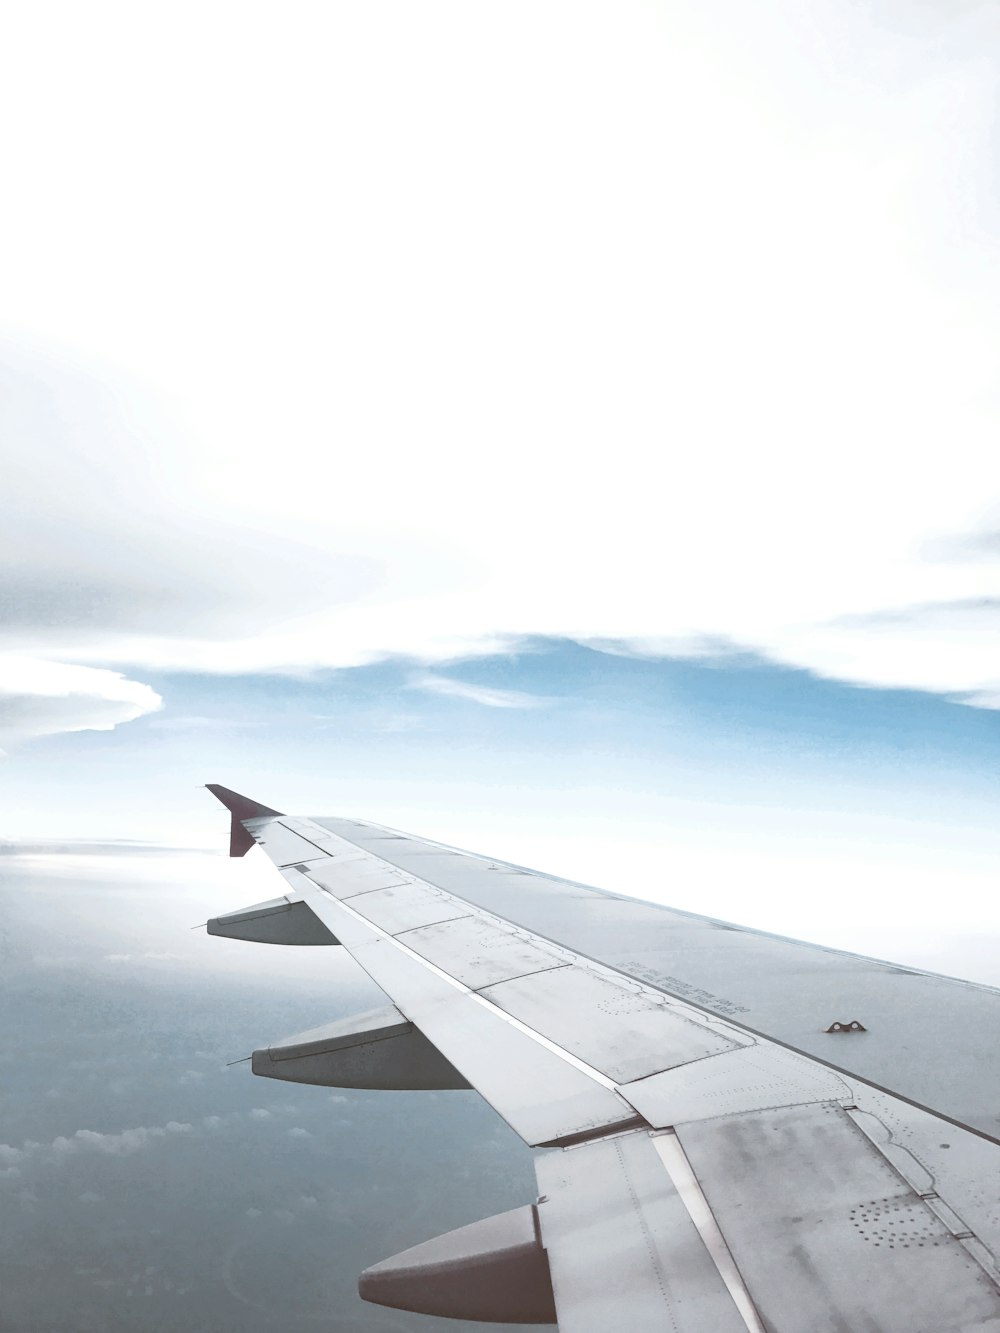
{"type": "Point", "coordinates": [240, 807]}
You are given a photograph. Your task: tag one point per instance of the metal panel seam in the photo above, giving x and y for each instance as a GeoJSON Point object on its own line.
{"type": "Point", "coordinates": [678, 1003]}
{"type": "Point", "coordinates": [311, 841]}
{"type": "Point", "coordinates": [379, 888]}
{"type": "Point", "coordinates": [409, 929]}
{"type": "Point", "coordinates": [619, 975]}
{"type": "Point", "coordinates": [960, 1230]}
{"type": "Point", "coordinates": [460, 986]}
{"type": "Point", "coordinates": [655, 1260]}
{"type": "Point", "coordinates": [553, 967]}
{"type": "Point", "coordinates": [671, 1153]}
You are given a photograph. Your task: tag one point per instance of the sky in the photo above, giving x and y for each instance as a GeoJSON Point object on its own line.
{"type": "Point", "coordinates": [563, 430]}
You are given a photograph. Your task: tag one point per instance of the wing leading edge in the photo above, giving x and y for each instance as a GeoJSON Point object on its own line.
{"type": "Point", "coordinates": [697, 1174]}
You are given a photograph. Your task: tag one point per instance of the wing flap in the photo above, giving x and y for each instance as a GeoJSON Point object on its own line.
{"type": "Point", "coordinates": [479, 953]}
{"type": "Point", "coordinates": [405, 907]}
{"type": "Point", "coordinates": [629, 1032]}
{"type": "Point", "coordinates": [348, 874]}
{"type": "Point", "coordinates": [751, 1078]}
{"type": "Point", "coordinates": [541, 1095]}
{"type": "Point", "coordinates": [835, 1238]}
{"type": "Point", "coordinates": [283, 845]}
{"type": "Point", "coordinates": [623, 1249]}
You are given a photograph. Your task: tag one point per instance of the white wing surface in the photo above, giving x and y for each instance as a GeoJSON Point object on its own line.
{"type": "Point", "coordinates": [697, 1172]}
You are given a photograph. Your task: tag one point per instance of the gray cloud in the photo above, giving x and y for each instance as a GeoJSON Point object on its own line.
{"type": "Point", "coordinates": [81, 847]}
{"type": "Point", "coordinates": [972, 613]}
{"type": "Point", "coordinates": [100, 547]}
{"type": "Point", "coordinates": [23, 716]}
{"type": "Point", "coordinates": [981, 545]}
{"type": "Point", "coordinates": [102, 532]}
{"type": "Point", "coordinates": [211, 581]}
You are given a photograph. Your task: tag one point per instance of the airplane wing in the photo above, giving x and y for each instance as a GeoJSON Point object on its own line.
{"type": "Point", "coordinates": [735, 1131]}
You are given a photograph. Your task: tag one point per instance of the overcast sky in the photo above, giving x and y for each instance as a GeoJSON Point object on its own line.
{"type": "Point", "coordinates": [566, 430]}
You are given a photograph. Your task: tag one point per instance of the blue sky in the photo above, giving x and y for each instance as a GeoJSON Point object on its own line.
{"type": "Point", "coordinates": [859, 817]}
{"type": "Point", "coordinates": [732, 731]}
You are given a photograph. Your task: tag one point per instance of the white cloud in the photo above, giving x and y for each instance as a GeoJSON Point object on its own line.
{"type": "Point", "coordinates": [432, 683]}
{"type": "Point", "coordinates": [125, 1142]}
{"type": "Point", "coordinates": [39, 698]}
{"type": "Point", "coordinates": [691, 342]}
{"type": "Point", "coordinates": [121, 1144]}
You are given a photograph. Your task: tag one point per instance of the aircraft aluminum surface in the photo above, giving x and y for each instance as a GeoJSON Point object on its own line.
{"type": "Point", "coordinates": [917, 1023]}
{"type": "Point", "coordinates": [347, 876]}
{"type": "Point", "coordinates": [751, 1078]}
{"type": "Point", "coordinates": [825, 1232]}
{"type": "Point", "coordinates": [283, 845]}
{"type": "Point", "coordinates": [480, 952]}
{"type": "Point", "coordinates": [812, 1198]}
{"type": "Point", "coordinates": [405, 907]}
{"type": "Point", "coordinates": [623, 1249]}
{"type": "Point", "coordinates": [542, 1097]}
{"type": "Point", "coordinates": [627, 1033]}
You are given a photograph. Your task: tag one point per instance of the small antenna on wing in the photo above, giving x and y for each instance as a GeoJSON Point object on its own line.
{"type": "Point", "coordinates": [230, 1063]}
